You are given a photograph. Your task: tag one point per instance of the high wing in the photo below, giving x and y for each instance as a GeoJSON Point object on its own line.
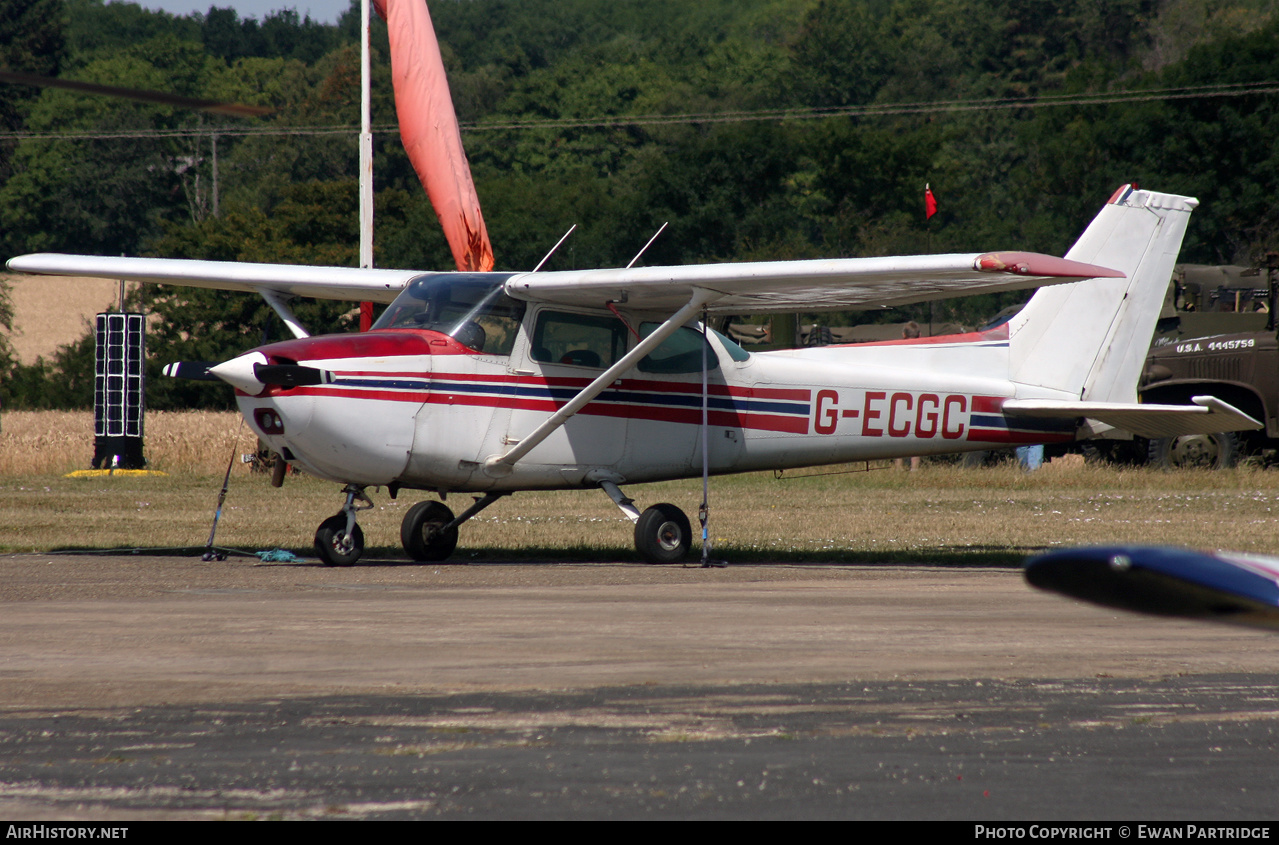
{"type": "Point", "coordinates": [345, 283]}
{"type": "Point", "coordinates": [826, 284]}
{"type": "Point", "coordinates": [816, 285]}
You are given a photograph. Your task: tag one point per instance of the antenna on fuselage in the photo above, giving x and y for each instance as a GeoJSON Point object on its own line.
{"type": "Point", "coordinates": [647, 245]}
{"type": "Point", "coordinates": [548, 255]}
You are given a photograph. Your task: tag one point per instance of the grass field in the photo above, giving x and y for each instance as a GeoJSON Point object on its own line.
{"type": "Point", "coordinates": [941, 514]}
{"type": "Point", "coordinates": [58, 442]}
{"type": "Point", "coordinates": [51, 312]}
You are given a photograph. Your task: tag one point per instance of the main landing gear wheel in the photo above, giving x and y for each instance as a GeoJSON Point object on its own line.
{"type": "Point", "coordinates": [663, 534]}
{"type": "Point", "coordinates": [334, 546]}
{"type": "Point", "coordinates": [421, 535]}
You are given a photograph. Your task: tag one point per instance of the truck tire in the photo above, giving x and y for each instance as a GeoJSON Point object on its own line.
{"type": "Point", "coordinates": [1196, 451]}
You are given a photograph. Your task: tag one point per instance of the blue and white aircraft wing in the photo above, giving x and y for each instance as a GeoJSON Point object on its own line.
{"type": "Point", "coordinates": [1231, 587]}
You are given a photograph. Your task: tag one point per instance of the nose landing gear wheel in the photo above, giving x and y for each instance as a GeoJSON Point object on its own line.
{"type": "Point", "coordinates": [334, 546]}
{"type": "Point", "coordinates": [421, 535]}
{"type": "Point", "coordinates": [663, 534]}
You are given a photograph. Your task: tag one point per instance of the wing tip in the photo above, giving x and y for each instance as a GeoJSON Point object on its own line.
{"type": "Point", "coordinates": [1038, 264]}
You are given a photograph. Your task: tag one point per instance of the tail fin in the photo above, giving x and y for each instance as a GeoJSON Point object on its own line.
{"type": "Point", "coordinates": [1089, 339]}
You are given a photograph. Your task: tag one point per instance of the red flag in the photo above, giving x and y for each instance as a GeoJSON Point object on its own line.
{"type": "Point", "coordinates": [930, 203]}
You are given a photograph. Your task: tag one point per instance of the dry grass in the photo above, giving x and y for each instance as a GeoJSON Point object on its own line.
{"type": "Point", "coordinates": [958, 513]}
{"type": "Point", "coordinates": [58, 442]}
{"type": "Point", "coordinates": [941, 515]}
{"type": "Point", "coordinates": [50, 312]}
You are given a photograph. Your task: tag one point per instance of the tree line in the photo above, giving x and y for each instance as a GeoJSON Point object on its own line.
{"type": "Point", "coordinates": [761, 129]}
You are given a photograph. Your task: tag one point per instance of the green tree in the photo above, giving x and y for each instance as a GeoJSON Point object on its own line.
{"type": "Point", "coordinates": [96, 28]}
{"type": "Point", "coordinates": [841, 54]}
{"type": "Point", "coordinates": [108, 191]}
{"type": "Point", "coordinates": [63, 383]}
{"type": "Point", "coordinates": [32, 42]}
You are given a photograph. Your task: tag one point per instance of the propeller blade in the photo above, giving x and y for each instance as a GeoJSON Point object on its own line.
{"type": "Point", "coordinates": [291, 375]}
{"type": "Point", "coordinates": [157, 97]}
{"type": "Point", "coordinates": [193, 370]}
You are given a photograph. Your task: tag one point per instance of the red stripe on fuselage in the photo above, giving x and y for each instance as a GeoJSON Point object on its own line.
{"type": "Point", "coordinates": [360, 393]}
{"type": "Point", "coordinates": [682, 387]}
{"type": "Point", "coordinates": [999, 435]}
{"type": "Point", "coordinates": [689, 416]}
{"type": "Point", "coordinates": [998, 333]}
{"type": "Point", "coordinates": [987, 404]}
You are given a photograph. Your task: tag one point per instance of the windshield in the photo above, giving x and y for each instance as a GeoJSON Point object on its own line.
{"type": "Point", "coordinates": [472, 308]}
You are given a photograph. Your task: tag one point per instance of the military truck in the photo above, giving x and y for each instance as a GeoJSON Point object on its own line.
{"type": "Point", "coordinates": [1217, 336]}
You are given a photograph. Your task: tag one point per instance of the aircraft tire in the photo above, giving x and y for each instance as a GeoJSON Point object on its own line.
{"type": "Point", "coordinates": [663, 534]}
{"type": "Point", "coordinates": [1196, 451]}
{"type": "Point", "coordinates": [419, 533]}
{"type": "Point", "coordinates": [330, 542]}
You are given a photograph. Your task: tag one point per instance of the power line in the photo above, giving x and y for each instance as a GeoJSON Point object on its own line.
{"type": "Point", "coordinates": [741, 116]}
{"type": "Point", "coordinates": [195, 132]}
{"type": "Point", "coordinates": [985, 104]}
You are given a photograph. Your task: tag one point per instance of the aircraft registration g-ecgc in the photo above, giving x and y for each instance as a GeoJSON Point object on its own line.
{"type": "Point", "coordinates": [492, 383]}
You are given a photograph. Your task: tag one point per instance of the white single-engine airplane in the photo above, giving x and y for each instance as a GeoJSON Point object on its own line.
{"type": "Point", "coordinates": [493, 383]}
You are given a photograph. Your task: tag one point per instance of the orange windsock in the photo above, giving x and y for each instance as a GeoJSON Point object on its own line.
{"type": "Point", "coordinates": [429, 130]}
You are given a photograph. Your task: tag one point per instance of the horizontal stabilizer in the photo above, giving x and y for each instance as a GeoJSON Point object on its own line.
{"type": "Point", "coordinates": [1220, 586]}
{"type": "Point", "coordinates": [1207, 415]}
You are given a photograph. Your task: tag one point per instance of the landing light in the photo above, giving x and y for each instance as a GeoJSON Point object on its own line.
{"type": "Point", "coordinates": [268, 419]}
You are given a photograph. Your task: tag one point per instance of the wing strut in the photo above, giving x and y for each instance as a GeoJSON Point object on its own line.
{"type": "Point", "coordinates": [500, 465]}
{"type": "Point", "coordinates": [704, 512]}
{"type": "Point", "coordinates": [280, 303]}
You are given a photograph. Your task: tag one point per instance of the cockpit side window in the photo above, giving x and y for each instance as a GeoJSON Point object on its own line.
{"type": "Point", "coordinates": [473, 309]}
{"type": "Point", "coordinates": [679, 353]}
{"type": "Point", "coordinates": [582, 340]}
